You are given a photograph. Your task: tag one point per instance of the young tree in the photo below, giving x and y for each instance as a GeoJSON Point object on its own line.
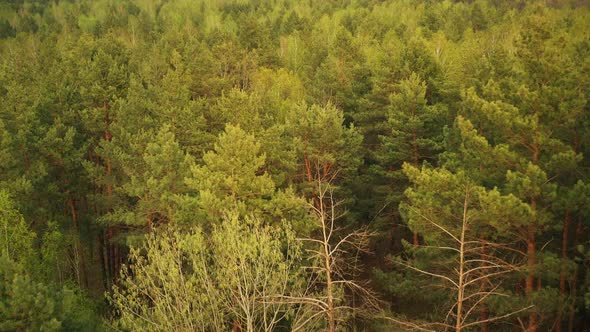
{"type": "Point", "coordinates": [414, 133]}
{"type": "Point", "coordinates": [238, 184]}
{"type": "Point", "coordinates": [242, 184]}
{"type": "Point", "coordinates": [189, 281]}
{"type": "Point", "coordinates": [16, 240]}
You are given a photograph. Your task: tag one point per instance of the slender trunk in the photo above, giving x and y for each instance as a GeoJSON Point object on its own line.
{"type": "Point", "coordinates": [331, 320]}
{"type": "Point", "coordinates": [27, 162]}
{"type": "Point", "coordinates": [308, 171]}
{"type": "Point", "coordinates": [112, 250]}
{"type": "Point", "coordinates": [102, 236]}
{"type": "Point", "coordinates": [484, 317]}
{"type": "Point", "coordinates": [112, 254]}
{"type": "Point", "coordinates": [104, 260]}
{"type": "Point", "coordinates": [149, 221]}
{"type": "Point", "coordinates": [562, 280]}
{"type": "Point", "coordinates": [530, 279]}
{"type": "Point", "coordinates": [572, 317]}
{"type": "Point", "coordinates": [328, 268]}
{"type": "Point", "coordinates": [109, 185]}
{"type": "Point", "coordinates": [484, 310]}
{"type": "Point", "coordinates": [108, 258]}
{"type": "Point", "coordinates": [107, 137]}
{"type": "Point", "coordinates": [531, 262]}
{"type": "Point", "coordinates": [564, 251]}
{"type": "Point", "coordinates": [115, 252]}
{"type": "Point", "coordinates": [74, 214]}
{"type": "Point", "coordinates": [460, 288]}
{"type": "Point", "coordinates": [82, 280]}
{"type": "Point", "coordinates": [326, 169]}
{"type": "Point", "coordinates": [531, 249]}
{"type": "Point", "coordinates": [415, 240]}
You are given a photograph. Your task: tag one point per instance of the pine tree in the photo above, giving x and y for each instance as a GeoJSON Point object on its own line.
{"type": "Point", "coordinates": [413, 136]}
{"type": "Point", "coordinates": [153, 173]}
{"type": "Point", "coordinates": [464, 227]}
{"type": "Point", "coordinates": [241, 184]}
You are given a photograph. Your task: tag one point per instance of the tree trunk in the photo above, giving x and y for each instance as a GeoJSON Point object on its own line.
{"type": "Point", "coordinates": [82, 279]}
{"type": "Point", "coordinates": [562, 280]}
{"type": "Point", "coordinates": [330, 313]}
{"type": "Point", "coordinates": [309, 174]}
{"type": "Point", "coordinates": [415, 240]}
{"type": "Point", "coordinates": [104, 260]}
{"type": "Point", "coordinates": [461, 287]}
{"type": "Point", "coordinates": [326, 170]}
{"type": "Point", "coordinates": [530, 279]}
{"type": "Point", "coordinates": [572, 317]}
{"type": "Point", "coordinates": [328, 269]}
{"type": "Point", "coordinates": [484, 317]}
{"type": "Point", "coordinates": [308, 171]}
{"type": "Point", "coordinates": [73, 212]}
{"type": "Point", "coordinates": [149, 221]}
{"type": "Point", "coordinates": [112, 250]}
{"type": "Point", "coordinates": [484, 310]}
{"type": "Point", "coordinates": [531, 263]}
{"type": "Point", "coordinates": [112, 254]}
{"type": "Point", "coordinates": [107, 137]}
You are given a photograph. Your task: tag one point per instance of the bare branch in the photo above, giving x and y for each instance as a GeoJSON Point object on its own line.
{"type": "Point", "coordinates": [430, 274]}
{"type": "Point", "coordinates": [497, 318]}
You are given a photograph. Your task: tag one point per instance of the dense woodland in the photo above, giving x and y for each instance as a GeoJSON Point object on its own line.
{"type": "Point", "coordinates": [294, 165]}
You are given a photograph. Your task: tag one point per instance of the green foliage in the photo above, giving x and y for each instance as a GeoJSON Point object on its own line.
{"type": "Point", "coordinates": [25, 304]}
{"type": "Point", "coordinates": [413, 125]}
{"type": "Point", "coordinates": [119, 118]}
{"type": "Point", "coordinates": [231, 176]}
{"type": "Point", "coordinates": [28, 305]}
{"type": "Point", "coordinates": [330, 147]}
{"type": "Point", "coordinates": [186, 281]}
{"type": "Point", "coordinates": [16, 240]}
{"type": "Point", "coordinates": [461, 224]}
{"type": "Point", "coordinates": [154, 178]}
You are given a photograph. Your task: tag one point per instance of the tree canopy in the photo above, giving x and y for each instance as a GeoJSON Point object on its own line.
{"type": "Point", "coordinates": [270, 165]}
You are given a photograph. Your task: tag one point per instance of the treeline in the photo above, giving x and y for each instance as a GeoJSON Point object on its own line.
{"type": "Point", "coordinates": [242, 165]}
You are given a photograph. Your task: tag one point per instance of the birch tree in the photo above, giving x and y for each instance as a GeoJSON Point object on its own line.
{"type": "Point", "coordinates": [193, 281]}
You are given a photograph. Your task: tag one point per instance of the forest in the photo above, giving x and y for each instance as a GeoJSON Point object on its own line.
{"type": "Point", "coordinates": [295, 165]}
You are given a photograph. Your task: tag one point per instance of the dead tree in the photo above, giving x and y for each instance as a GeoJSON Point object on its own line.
{"type": "Point", "coordinates": [333, 254]}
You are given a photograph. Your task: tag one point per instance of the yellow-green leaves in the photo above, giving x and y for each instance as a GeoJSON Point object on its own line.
{"type": "Point", "coordinates": [16, 240]}
{"type": "Point", "coordinates": [190, 281]}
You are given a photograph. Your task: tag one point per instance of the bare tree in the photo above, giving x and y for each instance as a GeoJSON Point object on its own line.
{"type": "Point", "coordinates": [333, 256]}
